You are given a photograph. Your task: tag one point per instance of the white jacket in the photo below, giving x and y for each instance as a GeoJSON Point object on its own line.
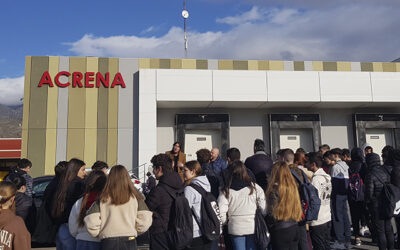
{"type": "Point", "coordinates": [194, 199]}
{"type": "Point", "coordinates": [240, 209]}
{"type": "Point", "coordinates": [322, 181]}
{"type": "Point", "coordinates": [79, 233]}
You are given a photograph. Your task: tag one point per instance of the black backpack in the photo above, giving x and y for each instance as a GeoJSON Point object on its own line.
{"type": "Point", "coordinates": [180, 228]}
{"type": "Point", "coordinates": [310, 200]}
{"type": "Point", "coordinates": [390, 198]}
{"type": "Point", "coordinates": [356, 187]}
{"type": "Point", "coordinates": [210, 224]}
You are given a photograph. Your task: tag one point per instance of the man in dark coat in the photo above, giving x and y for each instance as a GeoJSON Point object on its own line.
{"type": "Point", "coordinates": [160, 202]}
{"type": "Point", "coordinates": [217, 163]}
{"type": "Point", "coordinates": [376, 176]}
{"type": "Point", "coordinates": [260, 164]}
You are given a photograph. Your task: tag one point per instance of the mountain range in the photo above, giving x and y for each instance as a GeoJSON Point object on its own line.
{"type": "Point", "coordinates": [10, 121]}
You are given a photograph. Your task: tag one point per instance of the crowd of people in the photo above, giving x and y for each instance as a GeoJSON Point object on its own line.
{"type": "Point", "coordinates": [302, 200]}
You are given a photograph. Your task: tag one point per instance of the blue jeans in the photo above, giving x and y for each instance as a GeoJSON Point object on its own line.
{"type": "Point", "coordinates": [340, 218]}
{"type": "Point", "coordinates": [244, 242]}
{"type": "Point", "coordinates": [87, 245]}
{"type": "Point", "coordinates": [65, 241]}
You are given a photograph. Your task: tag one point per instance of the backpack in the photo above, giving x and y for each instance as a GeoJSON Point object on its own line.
{"type": "Point", "coordinates": [210, 224]}
{"type": "Point", "coordinates": [180, 227]}
{"type": "Point", "coordinates": [309, 197]}
{"type": "Point", "coordinates": [356, 187]}
{"type": "Point", "coordinates": [390, 198]}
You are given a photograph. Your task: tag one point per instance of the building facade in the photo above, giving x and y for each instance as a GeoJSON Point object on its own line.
{"type": "Point", "coordinates": [124, 110]}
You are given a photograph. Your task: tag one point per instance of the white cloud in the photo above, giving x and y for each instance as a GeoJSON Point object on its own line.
{"type": "Point", "coordinates": [11, 91]}
{"type": "Point", "coordinates": [254, 14]}
{"type": "Point", "coordinates": [348, 32]}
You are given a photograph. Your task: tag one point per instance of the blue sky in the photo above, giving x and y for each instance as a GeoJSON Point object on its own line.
{"type": "Point", "coordinates": [340, 30]}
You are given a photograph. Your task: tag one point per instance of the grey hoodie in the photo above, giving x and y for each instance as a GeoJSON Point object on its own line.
{"type": "Point", "coordinates": [194, 199]}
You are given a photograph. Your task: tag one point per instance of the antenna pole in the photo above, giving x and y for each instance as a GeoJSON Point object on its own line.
{"type": "Point", "coordinates": [184, 31]}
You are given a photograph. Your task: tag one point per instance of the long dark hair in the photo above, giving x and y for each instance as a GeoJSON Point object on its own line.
{"type": "Point", "coordinates": [94, 183]}
{"type": "Point", "coordinates": [237, 170]}
{"type": "Point", "coordinates": [59, 198]}
{"type": "Point", "coordinates": [119, 187]}
{"type": "Point", "coordinates": [173, 145]}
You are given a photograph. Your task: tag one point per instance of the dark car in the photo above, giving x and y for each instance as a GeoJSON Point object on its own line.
{"type": "Point", "coordinates": [39, 186]}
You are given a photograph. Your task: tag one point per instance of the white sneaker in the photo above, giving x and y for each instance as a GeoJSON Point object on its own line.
{"type": "Point", "coordinates": [364, 231]}
{"type": "Point", "coordinates": [338, 245]}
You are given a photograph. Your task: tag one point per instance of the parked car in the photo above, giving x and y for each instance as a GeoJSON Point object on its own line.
{"type": "Point", "coordinates": [39, 186]}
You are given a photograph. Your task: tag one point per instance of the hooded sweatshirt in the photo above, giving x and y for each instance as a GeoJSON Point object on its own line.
{"type": "Point", "coordinates": [79, 233]}
{"type": "Point", "coordinates": [194, 199]}
{"type": "Point", "coordinates": [160, 202]}
{"type": "Point", "coordinates": [14, 234]}
{"type": "Point", "coordinates": [357, 164]}
{"type": "Point", "coordinates": [340, 178]}
{"type": "Point", "coordinates": [322, 182]}
{"type": "Point", "coordinates": [239, 209]}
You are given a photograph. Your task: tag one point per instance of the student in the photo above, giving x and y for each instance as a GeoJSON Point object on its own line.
{"type": "Point", "coordinates": [160, 202]}
{"type": "Point", "coordinates": [120, 215]}
{"type": "Point", "coordinates": [357, 170]}
{"type": "Point", "coordinates": [217, 163]}
{"type": "Point", "coordinates": [204, 158]}
{"type": "Point", "coordinates": [101, 166]}
{"type": "Point", "coordinates": [238, 202]}
{"type": "Point", "coordinates": [192, 172]}
{"type": "Point", "coordinates": [373, 191]}
{"type": "Point", "coordinates": [340, 184]}
{"type": "Point", "coordinates": [283, 208]}
{"type": "Point", "coordinates": [23, 202]}
{"type": "Point", "coordinates": [94, 185]}
{"type": "Point", "coordinates": [319, 229]}
{"type": "Point", "coordinates": [60, 169]}
{"type": "Point", "coordinates": [150, 184]}
{"type": "Point", "coordinates": [23, 168]}
{"type": "Point", "coordinates": [70, 190]}
{"type": "Point", "coordinates": [13, 231]}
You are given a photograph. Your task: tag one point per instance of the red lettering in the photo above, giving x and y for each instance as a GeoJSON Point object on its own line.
{"type": "Point", "coordinates": [57, 79]}
{"type": "Point", "coordinates": [100, 78]}
{"type": "Point", "coordinates": [118, 80]}
{"type": "Point", "coordinates": [76, 79]}
{"type": "Point", "coordinates": [89, 78]}
{"type": "Point", "coordinates": [46, 79]}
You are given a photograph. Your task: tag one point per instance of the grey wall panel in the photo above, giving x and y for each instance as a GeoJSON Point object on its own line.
{"type": "Point", "coordinates": [62, 114]}
{"type": "Point", "coordinates": [213, 64]}
{"type": "Point", "coordinates": [288, 65]}
{"type": "Point", "coordinates": [126, 112]}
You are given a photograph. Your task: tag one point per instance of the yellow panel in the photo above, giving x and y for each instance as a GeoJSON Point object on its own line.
{"type": "Point", "coordinates": [318, 66]}
{"type": "Point", "coordinates": [144, 63]}
{"type": "Point", "coordinates": [263, 65]}
{"type": "Point", "coordinates": [225, 64]}
{"type": "Point", "coordinates": [154, 63]}
{"type": "Point", "coordinates": [397, 67]}
{"type": "Point", "coordinates": [112, 137]}
{"type": "Point", "coordinates": [343, 66]}
{"type": "Point", "coordinates": [76, 112]}
{"type": "Point", "coordinates": [92, 65]}
{"type": "Point", "coordinates": [377, 67]}
{"type": "Point", "coordinates": [253, 65]}
{"type": "Point", "coordinates": [25, 117]}
{"type": "Point", "coordinates": [176, 64]}
{"type": "Point", "coordinates": [51, 127]}
{"type": "Point", "coordinates": [188, 63]}
{"type": "Point", "coordinates": [276, 65]}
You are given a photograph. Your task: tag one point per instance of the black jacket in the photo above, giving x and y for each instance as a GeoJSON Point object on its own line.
{"type": "Point", "coordinates": [74, 192]}
{"type": "Point", "coordinates": [261, 166]}
{"type": "Point", "coordinates": [23, 203]}
{"type": "Point", "coordinates": [396, 168]}
{"type": "Point", "coordinates": [373, 182]}
{"type": "Point", "coordinates": [358, 164]}
{"type": "Point", "coordinates": [26, 176]}
{"type": "Point", "coordinates": [159, 201]}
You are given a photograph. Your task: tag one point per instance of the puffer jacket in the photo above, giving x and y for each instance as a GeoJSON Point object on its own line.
{"type": "Point", "coordinates": [194, 199]}
{"type": "Point", "coordinates": [396, 168]}
{"type": "Point", "coordinates": [160, 202]}
{"type": "Point", "coordinates": [358, 164]}
{"type": "Point", "coordinates": [373, 182]}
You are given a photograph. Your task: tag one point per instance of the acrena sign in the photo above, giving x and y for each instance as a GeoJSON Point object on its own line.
{"type": "Point", "coordinates": [83, 80]}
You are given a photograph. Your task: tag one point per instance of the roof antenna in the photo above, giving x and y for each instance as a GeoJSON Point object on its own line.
{"type": "Point", "coordinates": [185, 15]}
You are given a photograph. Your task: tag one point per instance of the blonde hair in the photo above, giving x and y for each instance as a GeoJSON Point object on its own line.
{"type": "Point", "coordinates": [7, 191]}
{"type": "Point", "coordinates": [283, 184]}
